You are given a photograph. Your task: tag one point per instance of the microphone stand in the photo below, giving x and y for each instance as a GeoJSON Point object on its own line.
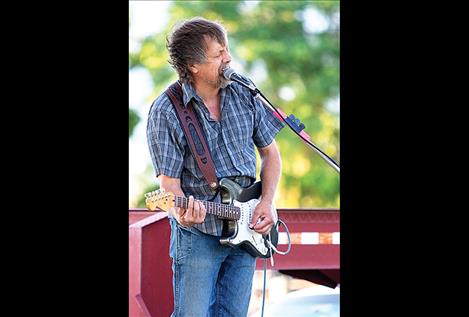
{"type": "Point", "coordinates": [291, 121]}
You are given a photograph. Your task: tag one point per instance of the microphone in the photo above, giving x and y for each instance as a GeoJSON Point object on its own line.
{"type": "Point", "coordinates": [230, 74]}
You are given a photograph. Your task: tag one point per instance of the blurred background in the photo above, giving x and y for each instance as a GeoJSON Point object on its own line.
{"type": "Point", "coordinates": [290, 49]}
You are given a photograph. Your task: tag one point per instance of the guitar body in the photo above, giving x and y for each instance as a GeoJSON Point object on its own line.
{"type": "Point", "coordinates": [236, 210]}
{"type": "Point", "coordinates": [237, 232]}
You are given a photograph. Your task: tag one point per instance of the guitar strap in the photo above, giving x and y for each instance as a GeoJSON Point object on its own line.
{"type": "Point", "coordinates": [193, 132]}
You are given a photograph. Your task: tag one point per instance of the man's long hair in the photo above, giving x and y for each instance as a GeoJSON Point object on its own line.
{"type": "Point", "coordinates": [186, 44]}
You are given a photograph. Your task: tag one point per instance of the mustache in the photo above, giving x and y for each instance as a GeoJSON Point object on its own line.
{"type": "Point", "coordinates": [223, 68]}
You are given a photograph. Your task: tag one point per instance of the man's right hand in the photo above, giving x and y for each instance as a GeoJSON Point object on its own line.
{"type": "Point", "coordinates": [195, 213]}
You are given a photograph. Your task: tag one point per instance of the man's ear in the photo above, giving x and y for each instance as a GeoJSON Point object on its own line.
{"type": "Point", "coordinates": [193, 68]}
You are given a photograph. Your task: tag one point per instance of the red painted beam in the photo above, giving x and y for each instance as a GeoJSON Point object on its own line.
{"type": "Point", "coordinates": [315, 235]}
{"type": "Point", "coordinates": [314, 255]}
{"type": "Point", "coordinates": [315, 249]}
{"type": "Point", "coordinates": [150, 274]}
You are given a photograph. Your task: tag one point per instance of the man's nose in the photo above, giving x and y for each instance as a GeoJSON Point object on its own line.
{"type": "Point", "coordinates": [226, 57]}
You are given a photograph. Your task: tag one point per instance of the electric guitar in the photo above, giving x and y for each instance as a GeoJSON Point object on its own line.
{"type": "Point", "coordinates": [236, 210]}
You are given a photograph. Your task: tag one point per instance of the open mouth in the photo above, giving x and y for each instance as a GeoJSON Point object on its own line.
{"type": "Point", "coordinates": [223, 69]}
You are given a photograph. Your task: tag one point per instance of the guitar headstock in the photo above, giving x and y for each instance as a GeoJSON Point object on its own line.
{"type": "Point", "coordinates": [159, 199]}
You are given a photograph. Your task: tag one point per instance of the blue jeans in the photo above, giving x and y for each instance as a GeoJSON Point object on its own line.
{"type": "Point", "coordinates": [209, 279]}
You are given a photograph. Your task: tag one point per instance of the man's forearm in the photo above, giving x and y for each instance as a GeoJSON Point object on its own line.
{"type": "Point", "coordinates": [271, 167]}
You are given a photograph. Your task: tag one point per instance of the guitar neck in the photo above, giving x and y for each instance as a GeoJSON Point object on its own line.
{"type": "Point", "coordinates": [217, 209]}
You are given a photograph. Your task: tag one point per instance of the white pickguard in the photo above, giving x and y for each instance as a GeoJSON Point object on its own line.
{"type": "Point", "coordinates": [243, 232]}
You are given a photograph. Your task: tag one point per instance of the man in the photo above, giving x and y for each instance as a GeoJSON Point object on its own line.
{"type": "Point", "coordinates": [210, 279]}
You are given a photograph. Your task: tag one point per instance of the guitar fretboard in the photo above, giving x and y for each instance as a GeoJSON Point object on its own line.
{"type": "Point", "coordinates": [221, 210]}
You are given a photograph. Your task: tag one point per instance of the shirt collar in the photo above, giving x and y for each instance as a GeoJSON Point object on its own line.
{"type": "Point", "coordinates": [188, 92]}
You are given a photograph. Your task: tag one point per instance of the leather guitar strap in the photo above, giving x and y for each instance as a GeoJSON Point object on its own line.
{"type": "Point", "coordinates": [194, 135]}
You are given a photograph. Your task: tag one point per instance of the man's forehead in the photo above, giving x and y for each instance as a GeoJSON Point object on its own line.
{"type": "Point", "coordinates": [214, 45]}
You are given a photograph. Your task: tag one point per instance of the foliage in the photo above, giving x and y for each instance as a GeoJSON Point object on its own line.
{"type": "Point", "coordinates": [134, 119]}
{"type": "Point", "coordinates": [273, 37]}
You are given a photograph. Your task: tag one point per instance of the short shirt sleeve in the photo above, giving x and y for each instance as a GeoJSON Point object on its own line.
{"type": "Point", "coordinates": [165, 141]}
{"type": "Point", "coordinates": [266, 124]}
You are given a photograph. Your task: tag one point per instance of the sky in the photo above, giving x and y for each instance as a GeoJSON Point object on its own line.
{"type": "Point", "coordinates": [150, 17]}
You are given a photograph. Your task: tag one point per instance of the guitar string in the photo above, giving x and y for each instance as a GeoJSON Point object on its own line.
{"type": "Point", "coordinates": [228, 211]}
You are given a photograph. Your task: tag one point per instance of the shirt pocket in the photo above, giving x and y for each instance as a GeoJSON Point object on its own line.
{"type": "Point", "coordinates": [241, 126]}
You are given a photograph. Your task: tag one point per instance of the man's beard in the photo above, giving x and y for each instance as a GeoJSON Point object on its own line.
{"type": "Point", "coordinates": [223, 82]}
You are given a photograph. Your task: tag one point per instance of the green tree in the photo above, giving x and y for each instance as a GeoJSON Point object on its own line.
{"type": "Point", "coordinates": [134, 119]}
{"type": "Point", "coordinates": [301, 76]}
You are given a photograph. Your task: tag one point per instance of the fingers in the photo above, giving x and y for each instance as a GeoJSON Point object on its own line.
{"type": "Point", "coordinates": [195, 208]}
{"type": "Point", "coordinates": [195, 213]}
{"type": "Point", "coordinates": [192, 211]}
{"type": "Point", "coordinates": [179, 212]}
{"type": "Point", "coordinates": [263, 225]}
{"type": "Point", "coordinates": [261, 220]}
{"type": "Point", "coordinates": [199, 211]}
{"type": "Point", "coordinates": [256, 218]}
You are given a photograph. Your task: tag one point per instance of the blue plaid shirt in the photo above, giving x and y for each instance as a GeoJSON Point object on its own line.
{"type": "Point", "coordinates": [244, 122]}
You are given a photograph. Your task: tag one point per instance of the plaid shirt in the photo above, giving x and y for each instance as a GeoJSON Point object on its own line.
{"type": "Point", "coordinates": [244, 122]}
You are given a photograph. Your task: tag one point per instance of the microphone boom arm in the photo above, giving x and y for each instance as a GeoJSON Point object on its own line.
{"type": "Point", "coordinates": [297, 127]}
